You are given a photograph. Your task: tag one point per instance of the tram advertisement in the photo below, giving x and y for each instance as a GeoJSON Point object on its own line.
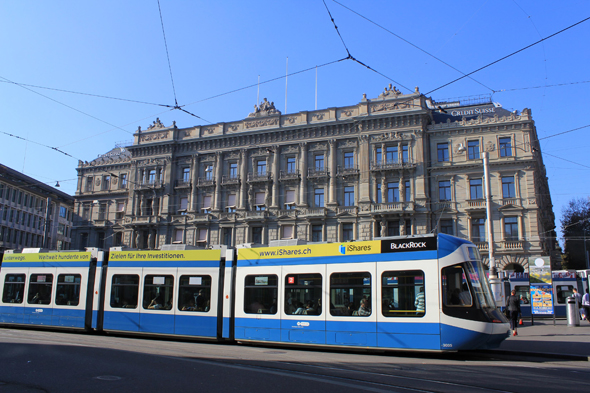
{"type": "Point", "coordinates": [541, 285]}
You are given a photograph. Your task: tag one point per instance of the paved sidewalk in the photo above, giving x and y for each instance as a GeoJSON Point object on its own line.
{"type": "Point", "coordinates": [544, 337]}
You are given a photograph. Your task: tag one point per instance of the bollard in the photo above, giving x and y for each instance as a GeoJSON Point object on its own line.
{"type": "Point", "coordinates": [573, 312]}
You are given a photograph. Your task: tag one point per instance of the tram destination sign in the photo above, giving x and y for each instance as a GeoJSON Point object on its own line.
{"type": "Point", "coordinates": [409, 244]}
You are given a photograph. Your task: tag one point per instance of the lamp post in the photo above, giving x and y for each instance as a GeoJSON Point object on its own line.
{"type": "Point", "coordinates": [495, 282]}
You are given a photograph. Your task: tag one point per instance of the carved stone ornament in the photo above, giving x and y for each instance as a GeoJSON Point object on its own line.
{"type": "Point", "coordinates": [388, 106]}
{"type": "Point", "coordinates": [490, 146]}
{"type": "Point", "coordinates": [154, 137]}
{"type": "Point", "coordinates": [459, 146]}
{"type": "Point", "coordinates": [347, 112]}
{"type": "Point", "coordinates": [233, 127]}
{"type": "Point", "coordinates": [363, 138]}
{"type": "Point", "coordinates": [186, 133]}
{"type": "Point", "coordinates": [115, 180]}
{"type": "Point", "coordinates": [391, 92]}
{"type": "Point", "coordinates": [318, 146]}
{"type": "Point", "coordinates": [157, 124]}
{"type": "Point", "coordinates": [348, 143]}
{"type": "Point", "coordinates": [319, 116]}
{"type": "Point", "coordinates": [97, 181]}
{"type": "Point", "coordinates": [388, 136]}
{"type": "Point", "coordinates": [232, 155]}
{"type": "Point", "coordinates": [290, 149]}
{"type": "Point", "coordinates": [208, 130]}
{"type": "Point", "coordinates": [265, 109]}
{"type": "Point", "coordinates": [290, 119]}
{"type": "Point", "coordinates": [262, 123]}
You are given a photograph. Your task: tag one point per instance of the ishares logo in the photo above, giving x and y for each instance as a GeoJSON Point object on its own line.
{"type": "Point", "coordinates": [342, 249]}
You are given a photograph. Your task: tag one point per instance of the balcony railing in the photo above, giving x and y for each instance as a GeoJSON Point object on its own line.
{"type": "Point", "coordinates": [204, 182]}
{"type": "Point", "coordinates": [289, 175]}
{"type": "Point", "coordinates": [512, 244]}
{"type": "Point", "coordinates": [256, 215]}
{"type": "Point", "coordinates": [444, 206]}
{"type": "Point", "coordinates": [482, 246]}
{"type": "Point", "coordinates": [392, 165]}
{"type": "Point", "coordinates": [510, 201]}
{"type": "Point", "coordinates": [150, 184]}
{"type": "Point", "coordinates": [317, 173]}
{"type": "Point", "coordinates": [347, 209]}
{"type": "Point", "coordinates": [476, 204]}
{"type": "Point", "coordinates": [182, 183]}
{"type": "Point", "coordinates": [314, 212]}
{"type": "Point", "coordinates": [387, 207]}
{"type": "Point", "coordinates": [259, 176]}
{"type": "Point", "coordinates": [348, 171]}
{"type": "Point", "coordinates": [145, 220]}
{"type": "Point", "coordinates": [230, 179]}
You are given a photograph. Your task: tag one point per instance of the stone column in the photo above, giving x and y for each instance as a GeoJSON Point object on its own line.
{"type": "Point", "coordinates": [384, 192]}
{"type": "Point", "coordinates": [333, 171]}
{"type": "Point", "coordinates": [303, 165]}
{"type": "Point", "coordinates": [195, 180]}
{"type": "Point", "coordinates": [275, 177]}
{"type": "Point", "coordinates": [218, 167]}
{"type": "Point", "coordinates": [364, 160]}
{"type": "Point", "coordinates": [520, 228]}
{"type": "Point", "coordinates": [243, 179]}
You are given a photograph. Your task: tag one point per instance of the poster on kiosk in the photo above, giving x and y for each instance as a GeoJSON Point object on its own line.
{"type": "Point", "coordinates": [541, 286]}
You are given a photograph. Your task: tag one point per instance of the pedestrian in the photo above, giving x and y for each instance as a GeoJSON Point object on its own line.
{"type": "Point", "coordinates": [586, 305]}
{"type": "Point", "coordinates": [513, 306]}
{"type": "Point", "coordinates": [578, 297]}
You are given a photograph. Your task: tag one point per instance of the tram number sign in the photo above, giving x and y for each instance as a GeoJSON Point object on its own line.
{"type": "Point", "coordinates": [411, 244]}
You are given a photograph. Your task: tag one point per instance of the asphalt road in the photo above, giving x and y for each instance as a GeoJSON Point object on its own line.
{"type": "Point", "coordinates": [43, 361]}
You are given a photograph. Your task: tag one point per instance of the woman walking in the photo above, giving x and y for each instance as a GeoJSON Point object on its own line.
{"type": "Point", "coordinates": [513, 305]}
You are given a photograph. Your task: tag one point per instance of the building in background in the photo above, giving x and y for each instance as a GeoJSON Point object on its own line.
{"type": "Point", "coordinates": [394, 165]}
{"type": "Point", "coordinates": [33, 214]}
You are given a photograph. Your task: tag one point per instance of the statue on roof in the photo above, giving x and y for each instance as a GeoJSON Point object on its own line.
{"type": "Point", "coordinates": [391, 92]}
{"type": "Point", "coordinates": [266, 108]}
{"type": "Point", "coordinates": [156, 124]}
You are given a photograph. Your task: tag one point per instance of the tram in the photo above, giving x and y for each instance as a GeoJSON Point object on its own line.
{"type": "Point", "coordinates": [406, 293]}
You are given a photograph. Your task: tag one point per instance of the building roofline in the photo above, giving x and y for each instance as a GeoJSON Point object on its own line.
{"type": "Point", "coordinates": [30, 184]}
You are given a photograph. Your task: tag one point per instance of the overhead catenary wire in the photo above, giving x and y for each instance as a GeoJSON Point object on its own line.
{"type": "Point", "coordinates": [167, 54]}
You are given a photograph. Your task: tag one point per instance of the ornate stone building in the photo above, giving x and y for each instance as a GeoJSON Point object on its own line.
{"type": "Point", "coordinates": [394, 165]}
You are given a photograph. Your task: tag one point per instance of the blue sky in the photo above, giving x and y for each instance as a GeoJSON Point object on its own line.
{"type": "Point", "coordinates": [116, 49]}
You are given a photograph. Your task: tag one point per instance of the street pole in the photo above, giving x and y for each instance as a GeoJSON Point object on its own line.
{"type": "Point", "coordinates": [494, 280]}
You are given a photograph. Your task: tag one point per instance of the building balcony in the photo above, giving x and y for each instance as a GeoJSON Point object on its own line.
{"type": "Point", "coordinates": [317, 173]}
{"type": "Point", "coordinates": [199, 218]}
{"type": "Point", "coordinates": [205, 182]}
{"type": "Point", "coordinates": [227, 180]}
{"type": "Point", "coordinates": [392, 165]}
{"type": "Point", "coordinates": [318, 212]}
{"type": "Point", "coordinates": [289, 175]}
{"type": "Point", "coordinates": [510, 202]}
{"type": "Point", "coordinates": [444, 206]}
{"type": "Point", "coordinates": [512, 244]}
{"type": "Point", "coordinates": [145, 220]}
{"type": "Point", "coordinates": [150, 184]}
{"type": "Point", "coordinates": [344, 171]}
{"type": "Point", "coordinates": [228, 216]}
{"type": "Point", "coordinates": [101, 223]}
{"type": "Point", "coordinates": [259, 177]}
{"type": "Point", "coordinates": [256, 215]}
{"type": "Point", "coordinates": [182, 183]}
{"type": "Point", "coordinates": [287, 213]}
{"type": "Point", "coordinates": [482, 246]}
{"type": "Point", "coordinates": [347, 210]}
{"type": "Point", "coordinates": [392, 207]}
{"type": "Point", "coordinates": [476, 204]}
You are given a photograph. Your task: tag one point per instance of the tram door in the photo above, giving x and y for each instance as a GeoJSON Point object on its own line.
{"type": "Point", "coordinates": [303, 309]}
{"type": "Point", "coordinates": [352, 319]}
{"type": "Point", "coordinates": [39, 296]}
{"type": "Point", "coordinates": [156, 310]}
{"type": "Point", "coordinates": [14, 296]}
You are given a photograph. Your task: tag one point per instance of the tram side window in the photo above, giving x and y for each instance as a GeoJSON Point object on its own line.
{"type": "Point", "coordinates": [403, 293]}
{"type": "Point", "coordinates": [563, 292]}
{"type": "Point", "coordinates": [14, 287]}
{"type": "Point", "coordinates": [68, 289]}
{"type": "Point", "coordinates": [350, 294]}
{"type": "Point", "coordinates": [40, 289]}
{"type": "Point", "coordinates": [157, 292]}
{"type": "Point", "coordinates": [455, 288]}
{"type": "Point", "coordinates": [194, 293]}
{"type": "Point", "coordinates": [124, 291]}
{"type": "Point", "coordinates": [260, 294]}
{"type": "Point", "coordinates": [523, 293]}
{"type": "Point", "coordinates": [303, 294]}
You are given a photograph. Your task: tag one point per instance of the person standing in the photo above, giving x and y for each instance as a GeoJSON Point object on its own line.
{"type": "Point", "coordinates": [419, 302]}
{"type": "Point", "coordinates": [578, 297]}
{"type": "Point", "coordinates": [513, 305]}
{"type": "Point", "coordinates": [586, 305]}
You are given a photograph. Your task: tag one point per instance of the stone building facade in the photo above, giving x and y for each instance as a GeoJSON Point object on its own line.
{"type": "Point", "coordinates": [33, 214]}
{"type": "Point", "coordinates": [377, 168]}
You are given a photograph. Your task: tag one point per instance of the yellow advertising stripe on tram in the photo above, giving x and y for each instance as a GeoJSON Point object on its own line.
{"type": "Point", "coordinates": [48, 257]}
{"type": "Point", "coordinates": [188, 255]}
{"type": "Point", "coordinates": [311, 251]}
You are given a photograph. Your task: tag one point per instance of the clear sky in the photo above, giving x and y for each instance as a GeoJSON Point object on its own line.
{"type": "Point", "coordinates": [117, 49]}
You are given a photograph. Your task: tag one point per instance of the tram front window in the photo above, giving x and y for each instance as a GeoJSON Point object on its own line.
{"type": "Point", "coordinates": [40, 289]}
{"type": "Point", "coordinates": [14, 286]}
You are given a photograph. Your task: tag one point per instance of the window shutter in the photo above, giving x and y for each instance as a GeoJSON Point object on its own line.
{"type": "Point", "coordinates": [231, 200]}
{"type": "Point", "coordinates": [183, 203]}
{"type": "Point", "coordinates": [202, 235]}
{"type": "Point", "coordinates": [207, 202]}
{"type": "Point", "coordinates": [287, 231]}
{"type": "Point", "coordinates": [260, 198]}
{"type": "Point", "coordinates": [290, 197]}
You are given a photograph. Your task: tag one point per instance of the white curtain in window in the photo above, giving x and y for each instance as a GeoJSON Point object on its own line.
{"type": "Point", "coordinates": [183, 203]}
{"type": "Point", "coordinates": [121, 206]}
{"type": "Point", "coordinates": [231, 200]}
{"type": "Point", "coordinates": [260, 198]}
{"type": "Point", "coordinates": [178, 235]}
{"type": "Point", "coordinates": [288, 232]}
{"type": "Point", "coordinates": [290, 196]}
{"type": "Point", "coordinates": [202, 235]}
{"type": "Point", "coordinates": [207, 202]}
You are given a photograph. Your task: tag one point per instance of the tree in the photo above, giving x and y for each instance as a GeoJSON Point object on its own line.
{"type": "Point", "coordinates": [575, 226]}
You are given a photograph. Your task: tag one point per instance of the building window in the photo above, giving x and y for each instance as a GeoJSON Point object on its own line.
{"type": "Point", "coordinates": [393, 228]}
{"type": "Point", "coordinates": [291, 165]}
{"type": "Point", "coordinates": [186, 174]}
{"type": "Point", "coordinates": [106, 183]}
{"type": "Point", "coordinates": [478, 229]}
{"type": "Point", "coordinates": [378, 155]}
{"type": "Point", "coordinates": [102, 211]}
{"type": "Point", "coordinates": [124, 291]}
{"type": "Point", "coordinates": [319, 162]}
{"type": "Point", "coordinates": [316, 233]}
{"type": "Point", "coordinates": [63, 212]}
{"type": "Point", "coordinates": [261, 167]}
{"type": "Point", "coordinates": [505, 147]}
{"type": "Point", "coordinates": [61, 229]}
{"type": "Point", "coordinates": [157, 292]}
{"type": "Point", "coordinates": [233, 170]}
{"type": "Point", "coordinates": [260, 294]}
{"type": "Point", "coordinates": [160, 176]}
{"type": "Point", "coordinates": [473, 149]}
{"type": "Point", "coordinates": [202, 235]}
{"type": "Point", "coordinates": [408, 191]}
{"type": "Point", "coordinates": [151, 176]}
{"type": "Point", "coordinates": [89, 183]}
{"type": "Point", "coordinates": [391, 154]}
{"type": "Point", "coordinates": [123, 182]}
{"type": "Point", "coordinates": [508, 190]}
{"type": "Point", "coordinates": [206, 204]}
{"type": "Point", "coordinates": [303, 293]}
{"type": "Point", "coordinates": [349, 196]}
{"type": "Point", "coordinates": [403, 294]}
{"type": "Point", "coordinates": [257, 235]}
{"type": "Point", "coordinates": [40, 289]}
{"type": "Point", "coordinates": [405, 153]}
{"type": "Point", "coordinates": [408, 227]}
{"type": "Point", "coordinates": [444, 190]}
{"type": "Point", "coordinates": [227, 237]}
{"type": "Point", "coordinates": [183, 205]}
{"type": "Point", "coordinates": [348, 159]}
{"type": "Point", "coordinates": [194, 293]}
{"type": "Point", "coordinates": [231, 203]}
{"type": "Point", "coordinates": [120, 210]}
{"type": "Point", "coordinates": [393, 192]}
{"type": "Point", "coordinates": [347, 232]}
{"type": "Point", "coordinates": [259, 203]}
{"type": "Point", "coordinates": [14, 287]}
{"type": "Point", "coordinates": [178, 235]}
{"type": "Point", "coordinates": [443, 152]}
{"type": "Point", "coordinates": [289, 199]}
{"type": "Point", "coordinates": [446, 226]}
{"type": "Point", "coordinates": [1, 190]}
{"type": "Point", "coordinates": [379, 195]}
{"type": "Point", "coordinates": [26, 201]}
{"type": "Point", "coordinates": [475, 189]}
{"type": "Point", "coordinates": [511, 228]}
{"type": "Point", "coordinates": [86, 212]}
{"type": "Point", "coordinates": [68, 289]}
{"type": "Point", "coordinates": [287, 232]}
{"type": "Point", "coordinates": [319, 197]}
{"type": "Point", "coordinates": [208, 172]}
{"type": "Point", "coordinates": [349, 294]}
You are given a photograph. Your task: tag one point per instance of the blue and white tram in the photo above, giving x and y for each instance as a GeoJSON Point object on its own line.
{"type": "Point", "coordinates": [414, 293]}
